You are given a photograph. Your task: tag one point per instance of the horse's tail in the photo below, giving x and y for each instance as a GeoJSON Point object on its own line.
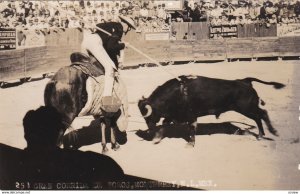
{"type": "Point", "coordinates": [56, 95]}
{"type": "Point", "coordinates": [49, 92]}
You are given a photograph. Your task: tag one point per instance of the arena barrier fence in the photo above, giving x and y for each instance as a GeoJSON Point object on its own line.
{"type": "Point", "coordinates": [32, 61]}
{"type": "Point", "coordinates": [207, 31]}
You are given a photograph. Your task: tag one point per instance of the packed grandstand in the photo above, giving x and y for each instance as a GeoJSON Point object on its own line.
{"type": "Point", "coordinates": [148, 15]}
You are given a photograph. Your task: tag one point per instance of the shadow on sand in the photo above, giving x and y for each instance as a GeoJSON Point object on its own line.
{"type": "Point", "coordinates": [69, 170]}
{"type": "Point", "coordinates": [182, 130]}
{"type": "Point", "coordinates": [91, 134]}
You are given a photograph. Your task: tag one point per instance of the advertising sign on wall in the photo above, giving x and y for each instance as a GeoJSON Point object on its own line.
{"type": "Point", "coordinates": [7, 38]}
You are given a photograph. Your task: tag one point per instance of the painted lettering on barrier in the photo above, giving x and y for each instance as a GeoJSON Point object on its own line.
{"type": "Point", "coordinates": [7, 39]}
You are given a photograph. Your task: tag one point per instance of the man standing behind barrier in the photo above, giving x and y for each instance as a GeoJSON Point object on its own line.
{"type": "Point", "coordinates": [105, 49]}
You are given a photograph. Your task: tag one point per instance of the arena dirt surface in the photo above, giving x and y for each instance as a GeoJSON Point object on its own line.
{"type": "Point", "coordinates": [218, 161]}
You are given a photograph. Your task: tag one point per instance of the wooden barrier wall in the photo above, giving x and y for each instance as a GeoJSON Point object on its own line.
{"type": "Point", "coordinates": [256, 30]}
{"type": "Point", "coordinates": [201, 30]}
{"type": "Point", "coordinates": [28, 62]}
{"type": "Point", "coordinates": [16, 64]}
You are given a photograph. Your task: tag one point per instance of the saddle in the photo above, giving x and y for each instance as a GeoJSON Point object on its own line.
{"type": "Point", "coordinates": [88, 64]}
{"type": "Point", "coordinates": [91, 66]}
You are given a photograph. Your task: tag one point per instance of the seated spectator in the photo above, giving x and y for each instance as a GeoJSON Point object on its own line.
{"type": "Point", "coordinates": [114, 16]}
{"type": "Point", "coordinates": [284, 19]}
{"type": "Point", "coordinates": [144, 12]}
{"type": "Point", "coordinates": [273, 19]}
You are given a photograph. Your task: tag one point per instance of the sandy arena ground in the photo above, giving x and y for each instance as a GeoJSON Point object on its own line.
{"type": "Point", "coordinates": [217, 161]}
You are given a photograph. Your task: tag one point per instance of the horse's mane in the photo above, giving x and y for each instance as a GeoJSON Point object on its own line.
{"type": "Point", "coordinates": [115, 28]}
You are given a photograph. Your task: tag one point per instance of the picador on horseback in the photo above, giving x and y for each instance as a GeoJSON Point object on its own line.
{"type": "Point", "coordinates": [91, 85]}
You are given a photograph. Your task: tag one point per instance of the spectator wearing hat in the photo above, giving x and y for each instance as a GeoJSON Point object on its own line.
{"type": "Point", "coordinates": [101, 16]}
{"type": "Point", "coordinates": [186, 11]}
{"type": "Point", "coordinates": [136, 12]}
{"type": "Point", "coordinates": [151, 4]}
{"type": "Point", "coordinates": [291, 19]}
{"type": "Point", "coordinates": [297, 8]}
{"type": "Point", "coordinates": [161, 12]}
{"type": "Point", "coordinates": [74, 23]}
{"type": "Point", "coordinates": [130, 13]}
{"type": "Point", "coordinates": [29, 23]}
{"type": "Point", "coordinates": [114, 16]}
{"type": "Point", "coordinates": [71, 11]}
{"type": "Point", "coordinates": [253, 11]}
{"type": "Point", "coordinates": [263, 12]}
{"type": "Point", "coordinates": [108, 16]}
{"type": "Point", "coordinates": [273, 19]}
{"type": "Point", "coordinates": [284, 19]}
{"type": "Point", "coordinates": [123, 12]}
{"type": "Point", "coordinates": [44, 24]}
{"type": "Point", "coordinates": [153, 11]}
{"type": "Point", "coordinates": [107, 7]}
{"type": "Point", "coordinates": [130, 5]}
{"type": "Point", "coordinates": [117, 7]}
{"type": "Point", "coordinates": [101, 9]}
{"type": "Point", "coordinates": [144, 12]}
{"type": "Point", "coordinates": [89, 7]}
{"type": "Point", "coordinates": [196, 14]}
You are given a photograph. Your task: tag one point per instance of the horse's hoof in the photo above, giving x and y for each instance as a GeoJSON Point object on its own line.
{"type": "Point", "coordinates": [115, 146]}
{"type": "Point", "coordinates": [259, 138]}
{"type": "Point", "coordinates": [104, 150]}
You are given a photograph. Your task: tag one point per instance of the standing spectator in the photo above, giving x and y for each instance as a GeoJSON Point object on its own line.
{"type": "Point", "coordinates": [263, 12]}
{"type": "Point", "coordinates": [196, 14]}
{"type": "Point", "coordinates": [186, 12]}
{"type": "Point", "coordinates": [297, 8]}
{"type": "Point", "coordinates": [161, 12]}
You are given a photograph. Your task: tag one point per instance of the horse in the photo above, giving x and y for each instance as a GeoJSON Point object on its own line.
{"type": "Point", "coordinates": [67, 92]}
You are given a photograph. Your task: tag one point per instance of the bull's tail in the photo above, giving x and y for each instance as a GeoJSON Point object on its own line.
{"type": "Point", "coordinates": [263, 103]}
{"type": "Point", "coordinates": [276, 85]}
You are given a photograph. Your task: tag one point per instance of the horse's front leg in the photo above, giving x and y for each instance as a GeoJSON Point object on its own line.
{"type": "Point", "coordinates": [114, 145]}
{"type": "Point", "coordinates": [103, 136]}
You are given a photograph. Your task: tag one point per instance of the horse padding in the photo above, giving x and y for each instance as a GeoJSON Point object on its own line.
{"type": "Point", "coordinates": [95, 87]}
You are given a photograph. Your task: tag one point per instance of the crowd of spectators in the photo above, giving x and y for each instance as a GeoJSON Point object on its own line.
{"type": "Point", "coordinates": [234, 12]}
{"type": "Point", "coordinates": [147, 15]}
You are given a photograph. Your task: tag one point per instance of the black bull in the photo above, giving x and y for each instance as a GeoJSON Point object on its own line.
{"type": "Point", "coordinates": [183, 101]}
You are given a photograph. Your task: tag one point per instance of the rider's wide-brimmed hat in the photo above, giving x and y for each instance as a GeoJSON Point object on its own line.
{"type": "Point", "coordinates": [128, 21]}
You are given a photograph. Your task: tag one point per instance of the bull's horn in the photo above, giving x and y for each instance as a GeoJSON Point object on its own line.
{"type": "Point", "coordinates": [149, 111]}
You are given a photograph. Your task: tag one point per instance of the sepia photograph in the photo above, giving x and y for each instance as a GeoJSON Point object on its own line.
{"type": "Point", "coordinates": [150, 95]}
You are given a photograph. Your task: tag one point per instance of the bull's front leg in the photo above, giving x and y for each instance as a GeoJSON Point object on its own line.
{"type": "Point", "coordinates": [192, 133]}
